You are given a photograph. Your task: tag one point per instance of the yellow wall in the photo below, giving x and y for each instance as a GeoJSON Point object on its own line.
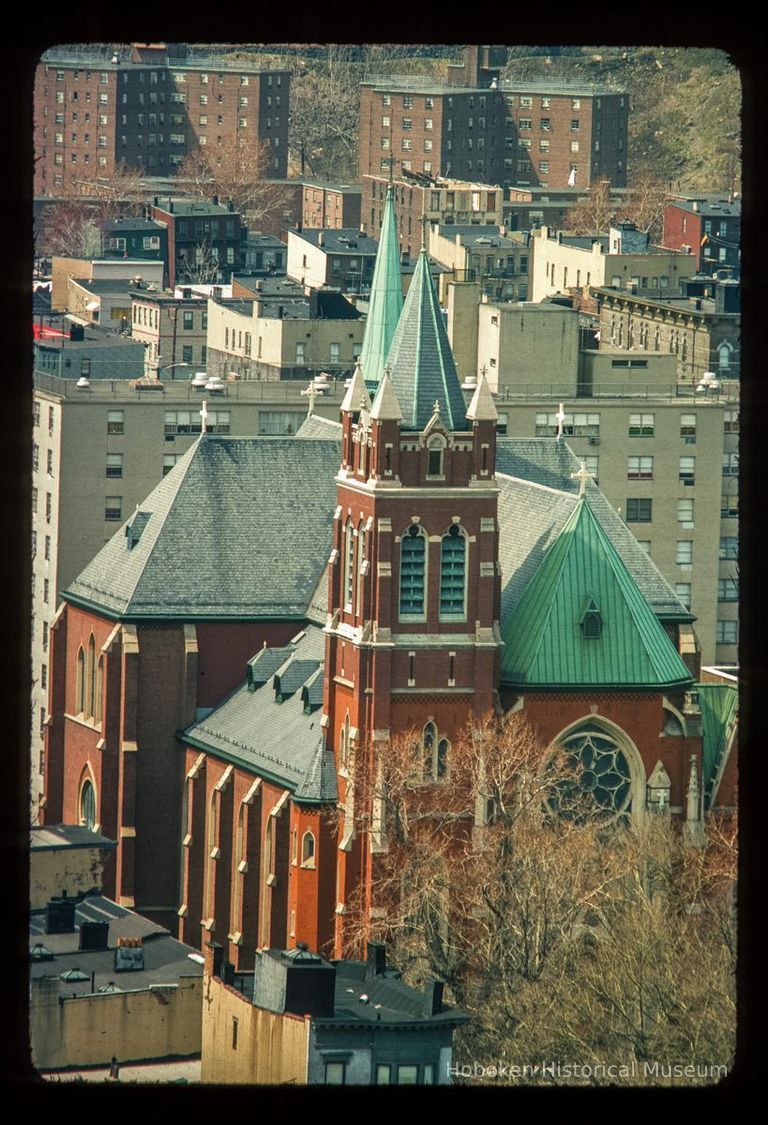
{"type": "Point", "coordinates": [155, 1023]}
{"type": "Point", "coordinates": [51, 872]}
{"type": "Point", "coordinates": [271, 1049]}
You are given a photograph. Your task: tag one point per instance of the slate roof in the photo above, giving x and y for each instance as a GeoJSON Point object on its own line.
{"type": "Point", "coordinates": [278, 741]}
{"type": "Point", "coordinates": [53, 836]}
{"type": "Point", "coordinates": [420, 361]}
{"type": "Point", "coordinates": [386, 299]}
{"type": "Point", "coordinates": [240, 528]}
{"type": "Point", "coordinates": [340, 240]}
{"type": "Point", "coordinates": [389, 999]}
{"type": "Point", "coordinates": [314, 427]}
{"type": "Point", "coordinates": [544, 641]}
{"type": "Point", "coordinates": [165, 958]}
{"type": "Point", "coordinates": [719, 707]}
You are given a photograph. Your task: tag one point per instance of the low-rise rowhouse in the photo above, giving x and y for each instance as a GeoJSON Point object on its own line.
{"type": "Point", "coordinates": [105, 983]}
{"type": "Point", "coordinates": [173, 330]}
{"type": "Point", "coordinates": [701, 328]}
{"type": "Point", "coordinates": [333, 206]}
{"type": "Point", "coordinates": [106, 303]}
{"type": "Point", "coordinates": [297, 1019]}
{"type": "Point", "coordinates": [100, 269]}
{"type": "Point", "coordinates": [284, 333]}
{"type": "Point", "coordinates": [498, 261]}
{"type": "Point", "coordinates": [342, 258]}
{"type": "Point", "coordinates": [707, 226]}
{"type": "Point", "coordinates": [623, 259]}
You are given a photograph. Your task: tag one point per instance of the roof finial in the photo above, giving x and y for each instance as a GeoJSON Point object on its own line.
{"type": "Point", "coordinates": [560, 417]}
{"type": "Point", "coordinates": [423, 220]}
{"type": "Point", "coordinates": [204, 416]}
{"type": "Point", "coordinates": [582, 476]}
{"type": "Point", "coordinates": [436, 408]}
{"type": "Point", "coordinates": [311, 393]}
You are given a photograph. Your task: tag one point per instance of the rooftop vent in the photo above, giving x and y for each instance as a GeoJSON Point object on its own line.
{"type": "Point", "coordinates": [60, 915]}
{"type": "Point", "coordinates": [40, 952]}
{"type": "Point", "coordinates": [129, 955]}
{"type": "Point", "coordinates": [94, 936]}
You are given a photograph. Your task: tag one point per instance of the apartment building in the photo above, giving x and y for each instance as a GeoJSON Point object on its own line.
{"type": "Point", "coordinates": [146, 107]}
{"type": "Point", "coordinates": [546, 133]}
{"type": "Point", "coordinates": [701, 327]}
{"type": "Point", "coordinates": [709, 227]}
{"type": "Point", "coordinates": [622, 259]}
{"type": "Point", "coordinates": [343, 258]}
{"type": "Point", "coordinates": [98, 451]}
{"type": "Point", "coordinates": [283, 333]}
{"type": "Point", "coordinates": [485, 254]}
{"type": "Point", "coordinates": [334, 206]}
{"type": "Point", "coordinates": [439, 201]}
{"type": "Point", "coordinates": [173, 331]}
{"type": "Point", "coordinates": [205, 238]}
{"type": "Point", "coordinates": [665, 455]}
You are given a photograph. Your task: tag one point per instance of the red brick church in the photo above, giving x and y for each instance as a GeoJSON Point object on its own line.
{"type": "Point", "coordinates": [278, 610]}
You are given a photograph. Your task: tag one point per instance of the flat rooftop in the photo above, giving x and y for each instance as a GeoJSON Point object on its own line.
{"type": "Point", "coordinates": [48, 837]}
{"type": "Point", "coordinates": [344, 240]}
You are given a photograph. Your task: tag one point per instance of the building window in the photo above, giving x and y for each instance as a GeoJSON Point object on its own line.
{"type": "Point", "coordinates": [453, 574]}
{"type": "Point", "coordinates": [186, 353]}
{"type": "Point", "coordinates": [45, 636]}
{"type": "Point", "coordinates": [169, 460]}
{"type": "Point", "coordinates": [728, 589]}
{"type": "Point", "coordinates": [688, 426]}
{"type": "Point", "coordinates": [280, 421]}
{"type": "Point", "coordinates": [683, 591]}
{"type": "Point", "coordinates": [731, 422]}
{"type": "Point", "coordinates": [641, 425]}
{"type": "Point", "coordinates": [114, 464]}
{"type": "Point", "coordinates": [113, 508]}
{"type": "Point", "coordinates": [639, 510]}
{"type": "Point", "coordinates": [115, 422]}
{"type": "Point", "coordinates": [597, 781]}
{"type": "Point", "coordinates": [727, 633]}
{"type": "Point", "coordinates": [412, 572]}
{"type": "Point", "coordinates": [685, 513]}
{"type": "Point", "coordinates": [88, 805]}
{"type": "Point", "coordinates": [729, 547]}
{"type": "Point", "coordinates": [349, 563]}
{"type": "Point", "coordinates": [684, 554]}
{"type": "Point", "coordinates": [730, 464]}
{"type": "Point", "coordinates": [640, 468]}
{"type": "Point", "coordinates": [687, 470]}
{"type": "Point", "coordinates": [308, 850]}
{"type": "Point", "coordinates": [335, 1073]}
{"type": "Point", "coordinates": [574, 425]}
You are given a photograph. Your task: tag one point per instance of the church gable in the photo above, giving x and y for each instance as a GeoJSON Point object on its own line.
{"type": "Point", "coordinates": [583, 622]}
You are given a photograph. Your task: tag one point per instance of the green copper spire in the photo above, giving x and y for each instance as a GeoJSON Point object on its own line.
{"type": "Point", "coordinates": [420, 361]}
{"type": "Point", "coordinates": [386, 300]}
{"type": "Point", "coordinates": [583, 622]}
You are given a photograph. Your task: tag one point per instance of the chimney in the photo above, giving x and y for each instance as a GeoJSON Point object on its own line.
{"type": "Point", "coordinates": [377, 959]}
{"type": "Point", "coordinates": [433, 998]}
{"type": "Point", "coordinates": [60, 915]}
{"type": "Point", "coordinates": [77, 332]}
{"type": "Point", "coordinates": [320, 239]}
{"type": "Point", "coordinates": [216, 201]}
{"type": "Point", "coordinates": [230, 205]}
{"type": "Point", "coordinates": [94, 936]}
{"type": "Point", "coordinates": [157, 201]}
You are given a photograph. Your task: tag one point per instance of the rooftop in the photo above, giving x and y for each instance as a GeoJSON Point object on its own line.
{"type": "Point", "coordinates": [344, 240]}
{"type": "Point", "coordinates": [552, 86]}
{"type": "Point", "coordinates": [710, 206]}
{"type": "Point", "coordinates": [481, 236]}
{"type": "Point", "coordinates": [182, 206]}
{"type": "Point", "coordinates": [132, 224]}
{"type": "Point", "coordinates": [103, 57]}
{"type": "Point", "coordinates": [50, 836]}
{"type": "Point", "coordinates": [327, 185]}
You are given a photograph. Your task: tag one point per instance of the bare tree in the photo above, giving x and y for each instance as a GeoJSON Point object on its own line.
{"type": "Point", "coordinates": [236, 171]}
{"type": "Point", "coordinates": [642, 203]}
{"type": "Point", "coordinates": [324, 112]}
{"type": "Point", "coordinates": [71, 227]}
{"type": "Point", "coordinates": [569, 933]}
{"type": "Point", "coordinates": [199, 264]}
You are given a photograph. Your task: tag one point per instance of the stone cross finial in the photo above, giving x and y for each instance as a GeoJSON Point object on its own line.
{"type": "Point", "coordinates": [423, 220]}
{"type": "Point", "coordinates": [312, 395]}
{"type": "Point", "coordinates": [204, 416]}
{"type": "Point", "coordinates": [582, 476]}
{"type": "Point", "coordinates": [436, 407]}
{"type": "Point", "coordinates": [560, 416]}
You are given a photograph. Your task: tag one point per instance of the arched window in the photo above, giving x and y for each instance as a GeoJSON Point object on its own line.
{"type": "Point", "coordinates": [349, 560]}
{"type": "Point", "coordinates": [308, 850]}
{"type": "Point", "coordinates": [453, 574]}
{"type": "Point", "coordinates": [657, 339]}
{"type": "Point", "coordinates": [90, 678]}
{"type": "Point", "coordinates": [429, 739]}
{"type": "Point", "coordinates": [441, 760]}
{"type": "Point", "coordinates": [435, 454]}
{"type": "Point", "coordinates": [724, 356]}
{"type": "Point", "coordinates": [591, 778]}
{"type": "Point", "coordinates": [412, 571]}
{"type": "Point", "coordinates": [80, 683]}
{"type": "Point", "coordinates": [212, 839]}
{"type": "Point", "coordinates": [88, 805]}
{"type": "Point", "coordinates": [360, 561]}
{"type": "Point", "coordinates": [240, 868]}
{"type": "Point", "coordinates": [99, 694]}
{"type": "Point", "coordinates": [344, 743]}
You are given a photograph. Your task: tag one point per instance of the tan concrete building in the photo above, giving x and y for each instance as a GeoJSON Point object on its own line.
{"type": "Point", "coordinates": [497, 260]}
{"type": "Point", "coordinates": [665, 455]}
{"type": "Point", "coordinates": [174, 331]}
{"type": "Point", "coordinates": [100, 451]}
{"type": "Point", "coordinates": [623, 259]}
{"type": "Point", "coordinates": [276, 337]}
{"type": "Point", "coordinates": [100, 269]}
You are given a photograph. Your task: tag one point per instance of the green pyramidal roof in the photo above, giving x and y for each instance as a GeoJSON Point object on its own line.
{"type": "Point", "coordinates": [718, 703]}
{"type": "Point", "coordinates": [583, 621]}
{"type": "Point", "coordinates": [420, 361]}
{"type": "Point", "coordinates": [386, 300]}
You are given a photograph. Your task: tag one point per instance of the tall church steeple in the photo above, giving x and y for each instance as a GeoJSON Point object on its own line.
{"type": "Point", "coordinates": [386, 300]}
{"type": "Point", "coordinates": [420, 361]}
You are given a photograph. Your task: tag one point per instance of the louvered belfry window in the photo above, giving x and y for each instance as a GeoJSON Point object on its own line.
{"type": "Point", "coordinates": [412, 565]}
{"type": "Point", "coordinates": [452, 574]}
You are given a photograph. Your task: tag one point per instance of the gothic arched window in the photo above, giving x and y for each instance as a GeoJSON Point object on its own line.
{"type": "Point", "coordinates": [90, 678]}
{"type": "Point", "coordinates": [591, 778]}
{"type": "Point", "coordinates": [360, 561]}
{"type": "Point", "coordinates": [308, 850]}
{"type": "Point", "coordinates": [412, 572]}
{"type": "Point", "coordinates": [349, 560]}
{"type": "Point", "coordinates": [88, 805]}
{"type": "Point", "coordinates": [428, 741]}
{"type": "Point", "coordinates": [435, 455]}
{"type": "Point", "coordinates": [80, 683]}
{"type": "Point", "coordinates": [453, 573]}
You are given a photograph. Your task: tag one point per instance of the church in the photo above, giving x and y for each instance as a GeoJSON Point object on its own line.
{"type": "Point", "coordinates": [279, 610]}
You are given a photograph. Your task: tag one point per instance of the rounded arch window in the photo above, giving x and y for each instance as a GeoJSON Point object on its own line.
{"type": "Point", "coordinates": [412, 571]}
{"type": "Point", "coordinates": [435, 452]}
{"type": "Point", "coordinates": [453, 573]}
{"type": "Point", "coordinates": [591, 778]}
{"type": "Point", "coordinates": [88, 804]}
